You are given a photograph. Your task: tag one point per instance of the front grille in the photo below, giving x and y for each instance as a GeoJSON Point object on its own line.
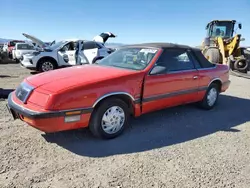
{"type": "Point", "coordinates": [23, 91]}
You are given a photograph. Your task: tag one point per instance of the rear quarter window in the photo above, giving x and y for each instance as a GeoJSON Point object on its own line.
{"type": "Point", "coordinates": [204, 63]}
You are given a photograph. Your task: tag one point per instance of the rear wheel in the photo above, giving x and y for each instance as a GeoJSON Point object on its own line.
{"type": "Point", "coordinates": [213, 55]}
{"type": "Point", "coordinates": [109, 119]}
{"type": "Point", "coordinates": [241, 65]}
{"type": "Point", "coordinates": [211, 97]}
{"type": "Point", "coordinates": [46, 65]}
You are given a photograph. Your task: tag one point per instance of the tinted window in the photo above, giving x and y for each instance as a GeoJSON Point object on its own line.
{"type": "Point", "coordinates": [87, 45]}
{"type": "Point", "coordinates": [194, 60]}
{"type": "Point", "coordinates": [202, 60]}
{"type": "Point", "coordinates": [175, 60]}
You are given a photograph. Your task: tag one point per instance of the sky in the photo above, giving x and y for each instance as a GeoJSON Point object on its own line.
{"type": "Point", "coordinates": [133, 21]}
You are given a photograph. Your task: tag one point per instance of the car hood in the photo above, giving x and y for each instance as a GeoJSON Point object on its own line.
{"type": "Point", "coordinates": [35, 40]}
{"type": "Point", "coordinates": [61, 79]}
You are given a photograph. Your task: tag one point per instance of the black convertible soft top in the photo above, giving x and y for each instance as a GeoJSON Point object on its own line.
{"type": "Point", "coordinates": [157, 45]}
{"type": "Point", "coordinates": [194, 50]}
{"type": "Point", "coordinates": [201, 58]}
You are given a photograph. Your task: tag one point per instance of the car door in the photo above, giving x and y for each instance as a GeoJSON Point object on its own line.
{"type": "Point", "coordinates": [66, 55]}
{"type": "Point", "coordinates": [103, 51]}
{"type": "Point", "coordinates": [90, 50]}
{"type": "Point", "coordinates": [177, 85]}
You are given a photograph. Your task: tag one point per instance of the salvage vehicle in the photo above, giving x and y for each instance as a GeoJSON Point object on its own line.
{"type": "Point", "coordinates": [62, 54]}
{"type": "Point", "coordinates": [132, 81]}
{"type": "Point", "coordinates": [8, 47]}
{"type": "Point", "coordinates": [21, 49]}
{"type": "Point", "coordinates": [223, 47]}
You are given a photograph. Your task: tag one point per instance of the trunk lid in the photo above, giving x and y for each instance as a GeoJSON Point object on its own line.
{"type": "Point", "coordinates": [103, 37]}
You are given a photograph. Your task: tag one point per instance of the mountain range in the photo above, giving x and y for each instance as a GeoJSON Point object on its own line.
{"type": "Point", "coordinates": [2, 41]}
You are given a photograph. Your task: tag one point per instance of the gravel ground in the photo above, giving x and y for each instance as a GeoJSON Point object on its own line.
{"type": "Point", "coordinates": [177, 147]}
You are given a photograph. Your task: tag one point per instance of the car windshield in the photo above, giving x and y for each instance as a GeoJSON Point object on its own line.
{"type": "Point", "coordinates": [56, 45]}
{"type": "Point", "coordinates": [222, 29]}
{"type": "Point", "coordinates": [130, 58]}
{"type": "Point", "coordinates": [25, 47]}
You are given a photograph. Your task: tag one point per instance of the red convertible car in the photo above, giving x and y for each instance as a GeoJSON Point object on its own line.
{"type": "Point", "coordinates": [134, 80]}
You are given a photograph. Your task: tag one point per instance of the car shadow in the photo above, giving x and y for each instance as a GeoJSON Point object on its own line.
{"type": "Point", "coordinates": [159, 129]}
{"type": "Point", "coordinates": [4, 76]}
{"type": "Point", "coordinates": [4, 93]}
{"type": "Point", "coordinates": [8, 61]}
{"type": "Point", "coordinates": [34, 72]}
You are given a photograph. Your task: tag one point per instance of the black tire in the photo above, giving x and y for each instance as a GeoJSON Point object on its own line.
{"type": "Point", "coordinates": [47, 63]}
{"type": "Point", "coordinates": [213, 55]}
{"type": "Point", "coordinates": [96, 127]}
{"type": "Point", "coordinates": [205, 101]}
{"type": "Point", "coordinates": [241, 65]}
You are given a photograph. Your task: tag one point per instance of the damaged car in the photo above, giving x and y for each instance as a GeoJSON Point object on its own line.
{"type": "Point", "coordinates": [63, 54]}
{"type": "Point", "coordinates": [21, 49]}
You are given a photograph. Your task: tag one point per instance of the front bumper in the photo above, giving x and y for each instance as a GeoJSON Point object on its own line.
{"type": "Point", "coordinates": [50, 121]}
{"type": "Point", "coordinates": [27, 63]}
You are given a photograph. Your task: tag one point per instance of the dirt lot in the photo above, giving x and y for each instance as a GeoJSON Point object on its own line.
{"type": "Point", "coordinates": [178, 147]}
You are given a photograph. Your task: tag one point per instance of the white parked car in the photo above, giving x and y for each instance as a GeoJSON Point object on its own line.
{"type": "Point", "coordinates": [21, 49]}
{"type": "Point", "coordinates": [63, 54]}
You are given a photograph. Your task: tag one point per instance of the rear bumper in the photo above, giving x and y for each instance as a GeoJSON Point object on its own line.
{"type": "Point", "coordinates": [225, 86]}
{"type": "Point", "coordinates": [51, 121]}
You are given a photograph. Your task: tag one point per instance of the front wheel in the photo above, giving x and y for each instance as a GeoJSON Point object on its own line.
{"type": "Point", "coordinates": [46, 65]}
{"type": "Point", "coordinates": [109, 119]}
{"type": "Point", "coordinates": [211, 97]}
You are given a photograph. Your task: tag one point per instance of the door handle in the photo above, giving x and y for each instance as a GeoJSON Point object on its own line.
{"type": "Point", "coordinates": [195, 77]}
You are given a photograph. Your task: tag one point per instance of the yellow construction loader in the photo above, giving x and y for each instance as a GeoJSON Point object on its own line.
{"type": "Point", "coordinates": [222, 45]}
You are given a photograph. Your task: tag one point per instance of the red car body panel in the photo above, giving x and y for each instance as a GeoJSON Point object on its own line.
{"type": "Point", "coordinates": [81, 88]}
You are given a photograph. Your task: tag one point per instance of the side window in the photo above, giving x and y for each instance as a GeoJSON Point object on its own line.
{"type": "Point", "coordinates": [75, 43]}
{"type": "Point", "coordinates": [69, 46]}
{"type": "Point", "coordinates": [204, 63]}
{"type": "Point", "coordinates": [88, 45]}
{"type": "Point", "coordinates": [194, 60]}
{"type": "Point", "coordinates": [175, 60]}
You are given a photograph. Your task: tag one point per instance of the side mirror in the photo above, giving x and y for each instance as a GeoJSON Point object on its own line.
{"type": "Point", "coordinates": [158, 70]}
{"type": "Point", "coordinates": [242, 39]}
{"type": "Point", "coordinates": [240, 26]}
{"type": "Point", "coordinates": [14, 48]}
